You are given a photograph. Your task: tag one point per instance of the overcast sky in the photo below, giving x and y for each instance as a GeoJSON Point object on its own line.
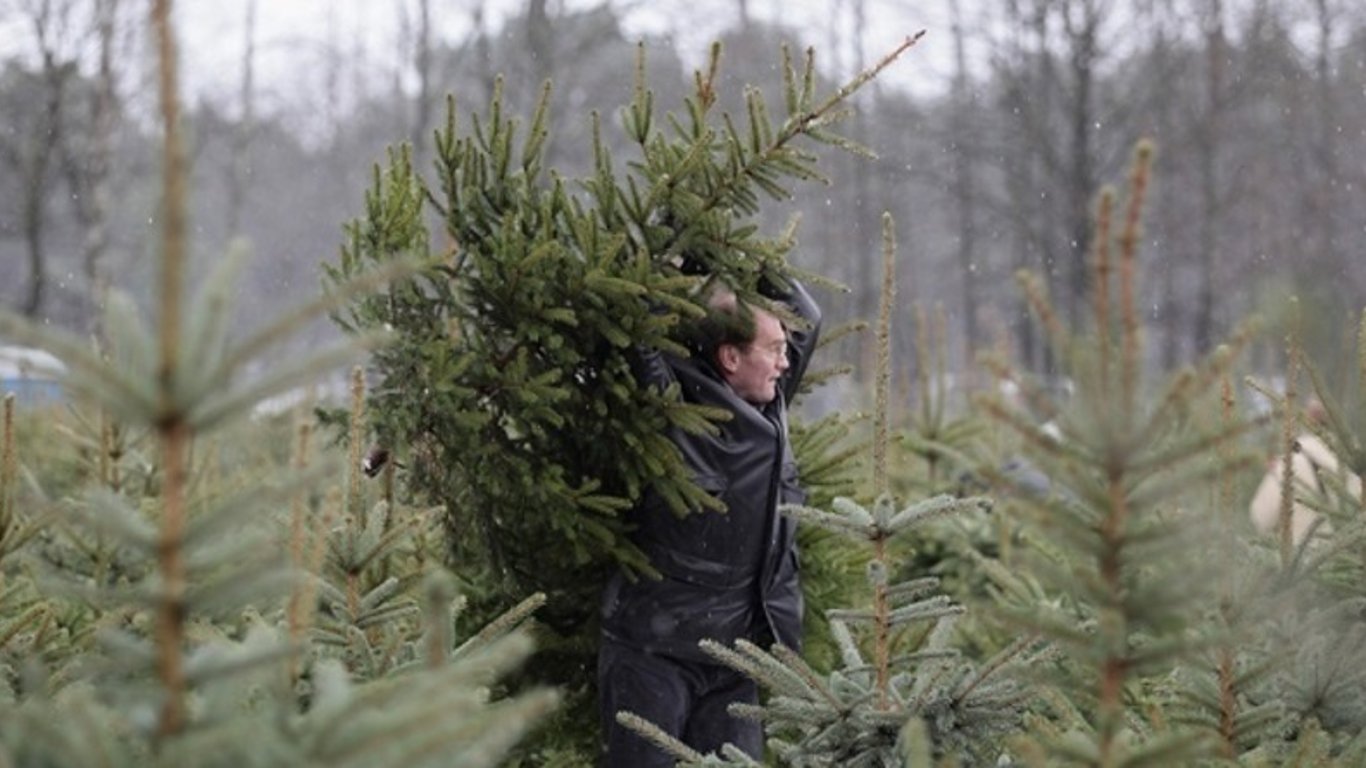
{"type": "Point", "coordinates": [293, 35]}
{"type": "Point", "coordinates": [212, 32]}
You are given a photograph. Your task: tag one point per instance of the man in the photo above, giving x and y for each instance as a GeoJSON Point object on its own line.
{"type": "Point", "coordinates": [725, 575]}
{"type": "Point", "coordinates": [1312, 467]}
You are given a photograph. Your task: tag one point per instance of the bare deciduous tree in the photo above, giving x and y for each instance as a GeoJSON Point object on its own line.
{"type": "Point", "coordinates": [964, 184]}
{"type": "Point", "coordinates": [87, 159]}
{"type": "Point", "coordinates": [1081, 26]}
{"type": "Point", "coordinates": [1208, 139]}
{"type": "Point", "coordinates": [240, 163]}
{"type": "Point", "coordinates": [40, 145]}
{"type": "Point", "coordinates": [417, 36]}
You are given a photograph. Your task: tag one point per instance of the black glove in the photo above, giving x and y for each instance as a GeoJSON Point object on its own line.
{"type": "Point", "coordinates": [691, 265]}
{"type": "Point", "coordinates": [773, 285]}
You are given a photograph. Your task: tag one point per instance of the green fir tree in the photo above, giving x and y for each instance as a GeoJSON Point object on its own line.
{"type": "Point", "coordinates": [177, 661]}
{"type": "Point", "coordinates": [1311, 608]}
{"type": "Point", "coordinates": [1113, 567]}
{"type": "Point", "coordinates": [509, 395]}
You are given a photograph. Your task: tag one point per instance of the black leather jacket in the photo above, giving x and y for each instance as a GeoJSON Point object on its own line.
{"type": "Point", "coordinates": [726, 575]}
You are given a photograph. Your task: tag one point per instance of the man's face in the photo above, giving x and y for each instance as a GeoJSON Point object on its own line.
{"type": "Point", "coordinates": [753, 370]}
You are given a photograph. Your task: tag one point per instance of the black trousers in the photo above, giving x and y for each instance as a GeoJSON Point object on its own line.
{"type": "Point", "coordinates": [687, 699]}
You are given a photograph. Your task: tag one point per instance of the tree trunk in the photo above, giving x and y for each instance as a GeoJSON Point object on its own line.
{"type": "Point", "coordinates": [1027, 160]}
{"type": "Point", "coordinates": [964, 186]}
{"type": "Point", "coordinates": [868, 199]}
{"type": "Point", "coordinates": [1208, 142]}
{"type": "Point", "coordinates": [102, 151]}
{"type": "Point", "coordinates": [238, 179]}
{"type": "Point", "coordinates": [45, 142]}
{"type": "Point", "coordinates": [1081, 20]}
{"type": "Point", "coordinates": [34, 204]}
{"type": "Point", "coordinates": [1168, 213]}
{"type": "Point", "coordinates": [1325, 152]}
{"type": "Point", "coordinates": [541, 58]}
{"type": "Point", "coordinates": [422, 62]}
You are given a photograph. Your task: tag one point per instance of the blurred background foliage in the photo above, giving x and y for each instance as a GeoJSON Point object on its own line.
{"type": "Point", "coordinates": [990, 159]}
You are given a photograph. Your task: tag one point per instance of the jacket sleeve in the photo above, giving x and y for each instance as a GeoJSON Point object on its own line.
{"type": "Point", "coordinates": [648, 364]}
{"type": "Point", "coordinates": [650, 368]}
{"type": "Point", "coordinates": [801, 341]}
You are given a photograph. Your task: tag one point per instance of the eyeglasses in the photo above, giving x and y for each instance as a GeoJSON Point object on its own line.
{"type": "Point", "coordinates": [775, 349]}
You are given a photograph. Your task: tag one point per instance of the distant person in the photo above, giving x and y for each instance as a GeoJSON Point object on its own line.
{"type": "Point", "coordinates": [728, 575]}
{"type": "Point", "coordinates": [1311, 464]}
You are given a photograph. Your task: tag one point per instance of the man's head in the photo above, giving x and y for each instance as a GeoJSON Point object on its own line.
{"type": "Point", "coordinates": [747, 344]}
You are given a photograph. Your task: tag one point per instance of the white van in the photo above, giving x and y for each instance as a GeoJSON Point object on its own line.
{"type": "Point", "coordinates": [32, 375]}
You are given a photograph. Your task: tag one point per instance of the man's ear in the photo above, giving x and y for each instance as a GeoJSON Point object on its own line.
{"type": "Point", "coordinates": [728, 358]}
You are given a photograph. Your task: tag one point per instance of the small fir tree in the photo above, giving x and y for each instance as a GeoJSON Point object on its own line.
{"type": "Point", "coordinates": [371, 567]}
{"type": "Point", "coordinates": [1222, 689]}
{"type": "Point", "coordinates": [1114, 571]}
{"type": "Point", "coordinates": [941, 440]}
{"type": "Point", "coordinates": [942, 448]}
{"type": "Point", "coordinates": [509, 394]}
{"type": "Point", "coordinates": [178, 661]}
{"type": "Point", "coordinates": [1311, 622]}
